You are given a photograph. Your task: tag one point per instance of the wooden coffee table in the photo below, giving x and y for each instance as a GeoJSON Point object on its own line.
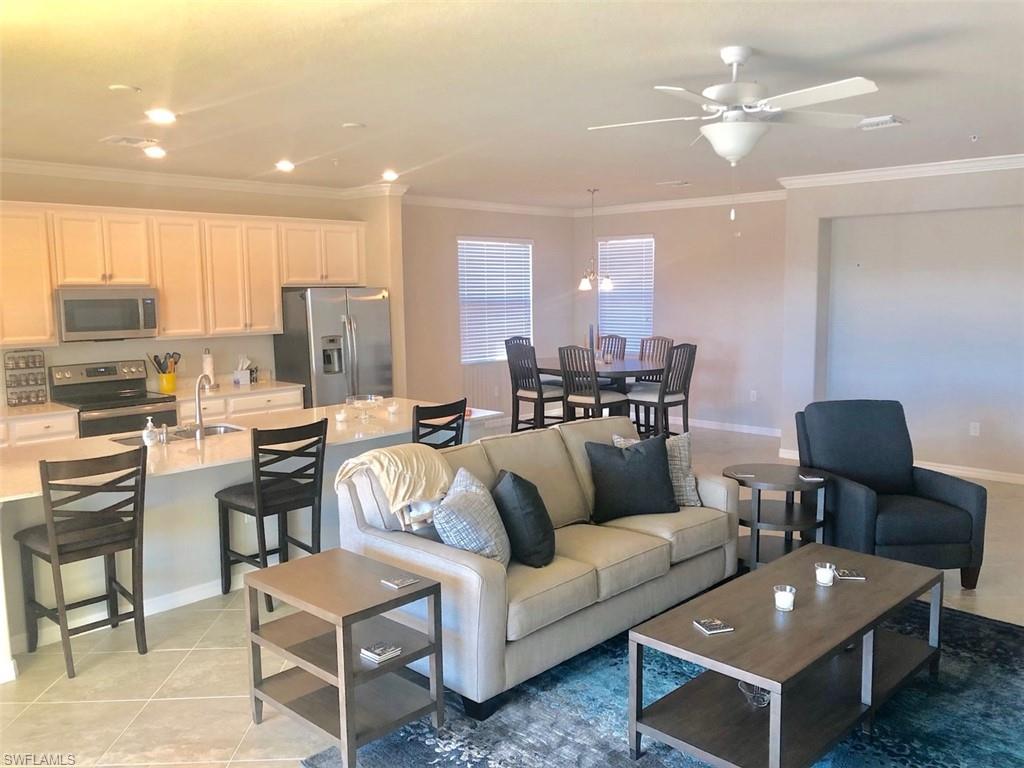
{"type": "Point", "coordinates": [819, 688]}
{"type": "Point", "coordinates": [340, 601]}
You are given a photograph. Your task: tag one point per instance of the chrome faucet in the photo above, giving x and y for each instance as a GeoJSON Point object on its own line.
{"type": "Point", "coordinates": [199, 404]}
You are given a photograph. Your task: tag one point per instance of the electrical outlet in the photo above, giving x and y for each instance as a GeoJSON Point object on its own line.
{"type": "Point", "coordinates": [974, 429]}
{"type": "Point", "coordinates": [753, 395]}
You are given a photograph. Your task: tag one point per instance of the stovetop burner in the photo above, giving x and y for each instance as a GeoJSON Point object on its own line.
{"type": "Point", "coordinates": [121, 399]}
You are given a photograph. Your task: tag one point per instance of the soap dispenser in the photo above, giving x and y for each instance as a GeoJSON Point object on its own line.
{"type": "Point", "coordinates": [150, 435]}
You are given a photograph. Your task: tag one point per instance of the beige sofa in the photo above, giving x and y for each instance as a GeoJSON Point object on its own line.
{"type": "Point", "coordinates": [503, 627]}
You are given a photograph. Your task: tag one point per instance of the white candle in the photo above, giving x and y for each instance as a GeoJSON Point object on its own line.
{"type": "Point", "coordinates": [785, 597]}
{"type": "Point", "coordinates": [824, 574]}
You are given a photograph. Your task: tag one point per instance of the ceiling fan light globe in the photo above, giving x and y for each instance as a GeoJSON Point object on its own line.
{"type": "Point", "coordinates": [585, 284]}
{"type": "Point", "coordinates": [606, 284]}
{"type": "Point", "coordinates": [733, 140]}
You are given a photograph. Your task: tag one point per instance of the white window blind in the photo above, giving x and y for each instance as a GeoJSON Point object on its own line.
{"type": "Point", "coordinates": [495, 296]}
{"type": "Point", "coordinates": [628, 309]}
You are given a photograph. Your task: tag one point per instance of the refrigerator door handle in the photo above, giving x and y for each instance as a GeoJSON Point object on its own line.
{"type": "Point", "coordinates": [346, 325]}
{"type": "Point", "coordinates": [353, 331]}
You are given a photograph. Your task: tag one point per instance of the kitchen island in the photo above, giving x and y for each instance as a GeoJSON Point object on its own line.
{"type": "Point", "coordinates": [181, 560]}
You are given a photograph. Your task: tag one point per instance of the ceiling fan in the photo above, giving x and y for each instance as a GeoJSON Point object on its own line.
{"type": "Point", "coordinates": [744, 112]}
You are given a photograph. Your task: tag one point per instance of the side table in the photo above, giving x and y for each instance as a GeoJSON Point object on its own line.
{"type": "Point", "coordinates": [775, 515]}
{"type": "Point", "coordinates": [332, 687]}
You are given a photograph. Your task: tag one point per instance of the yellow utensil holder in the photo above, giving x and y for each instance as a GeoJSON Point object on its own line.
{"type": "Point", "coordinates": [168, 383]}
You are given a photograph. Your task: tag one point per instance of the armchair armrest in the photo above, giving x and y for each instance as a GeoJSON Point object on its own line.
{"type": "Point", "coordinates": [968, 496]}
{"type": "Point", "coordinates": [850, 512]}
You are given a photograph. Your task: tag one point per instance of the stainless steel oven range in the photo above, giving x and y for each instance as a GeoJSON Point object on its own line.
{"type": "Point", "coordinates": [110, 397]}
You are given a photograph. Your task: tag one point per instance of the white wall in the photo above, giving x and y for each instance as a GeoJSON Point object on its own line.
{"type": "Point", "coordinates": [928, 309]}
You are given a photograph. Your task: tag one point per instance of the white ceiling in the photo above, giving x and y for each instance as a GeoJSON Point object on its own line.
{"type": "Point", "coordinates": [490, 101]}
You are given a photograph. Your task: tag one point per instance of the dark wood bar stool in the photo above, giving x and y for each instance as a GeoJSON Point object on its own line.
{"type": "Point", "coordinates": [521, 341]}
{"type": "Point", "coordinates": [72, 534]}
{"type": "Point", "coordinates": [654, 349]}
{"type": "Point", "coordinates": [528, 387]}
{"type": "Point", "coordinates": [580, 388]}
{"type": "Point", "coordinates": [287, 474]}
{"type": "Point", "coordinates": [673, 391]}
{"type": "Point", "coordinates": [614, 346]}
{"type": "Point", "coordinates": [445, 422]}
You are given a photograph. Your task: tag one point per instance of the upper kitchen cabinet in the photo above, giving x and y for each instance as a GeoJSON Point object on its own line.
{"type": "Point", "coordinates": [26, 295]}
{"type": "Point", "coordinates": [262, 277]}
{"type": "Point", "coordinates": [322, 253]}
{"type": "Point", "coordinates": [243, 287]}
{"type": "Point", "coordinates": [179, 276]}
{"type": "Point", "coordinates": [92, 248]}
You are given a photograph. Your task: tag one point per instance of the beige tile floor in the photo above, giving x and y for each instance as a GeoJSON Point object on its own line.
{"type": "Point", "coordinates": [185, 703]}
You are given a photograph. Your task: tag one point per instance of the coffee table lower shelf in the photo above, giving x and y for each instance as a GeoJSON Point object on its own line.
{"type": "Point", "coordinates": [708, 717]}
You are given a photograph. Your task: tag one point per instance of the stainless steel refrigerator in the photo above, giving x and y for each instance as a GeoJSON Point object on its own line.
{"type": "Point", "coordinates": [336, 341]}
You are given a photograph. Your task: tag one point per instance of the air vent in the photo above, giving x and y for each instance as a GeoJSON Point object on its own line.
{"type": "Point", "coordinates": [135, 142]}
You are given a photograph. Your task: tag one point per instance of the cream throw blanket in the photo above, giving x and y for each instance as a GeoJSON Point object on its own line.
{"type": "Point", "coordinates": [407, 474]}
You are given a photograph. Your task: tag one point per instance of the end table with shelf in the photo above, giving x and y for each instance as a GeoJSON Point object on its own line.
{"type": "Point", "coordinates": [340, 601]}
{"type": "Point", "coordinates": [787, 516]}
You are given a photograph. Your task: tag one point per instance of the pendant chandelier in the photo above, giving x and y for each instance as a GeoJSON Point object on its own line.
{"type": "Point", "coordinates": [590, 276]}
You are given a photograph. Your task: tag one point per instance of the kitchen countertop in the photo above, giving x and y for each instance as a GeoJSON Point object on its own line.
{"type": "Point", "coordinates": [33, 411]}
{"type": "Point", "coordinates": [19, 465]}
{"type": "Point", "coordinates": [186, 389]}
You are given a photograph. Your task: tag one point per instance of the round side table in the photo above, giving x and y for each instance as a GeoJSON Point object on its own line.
{"type": "Point", "coordinates": [775, 515]}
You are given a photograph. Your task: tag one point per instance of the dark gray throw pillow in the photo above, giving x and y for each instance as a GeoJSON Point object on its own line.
{"type": "Point", "coordinates": [631, 481]}
{"type": "Point", "coordinates": [526, 519]}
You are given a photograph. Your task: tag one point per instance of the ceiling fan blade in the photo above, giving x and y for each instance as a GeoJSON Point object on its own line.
{"type": "Point", "coordinates": [643, 122]}
{"type": "Point", "coordinates": [682, 93]}
{"type": "Point", "coordinates": [820, 119]}
{"type": "Point", "coordinates": [818, 94]}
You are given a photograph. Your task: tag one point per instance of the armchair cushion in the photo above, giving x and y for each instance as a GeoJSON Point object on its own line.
{"type": "Point", "coordinates": [866, 441]}
{"type": "Point", "coordinates": [916, 520]}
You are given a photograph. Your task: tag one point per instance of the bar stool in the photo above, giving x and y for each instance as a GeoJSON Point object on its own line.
{"type": "Point", "coordinates": [653, 349]}
{"type": "Point", "coordinates": [614, 346]}
{"type": "Point", "coordinates": [671, 392]}
{"type": "Point", "coordinates": [427, 422]}
{"type": "Point", "coordinates": [285, 477]}
{"type": "Point", "coordinates": [580, 388]}
{"type": "Point", "coordinates": [71, 535]}
{"type": "Point", "coordinates": [528, 387]}
{"type": "Point", "coordinates": [513, 342]}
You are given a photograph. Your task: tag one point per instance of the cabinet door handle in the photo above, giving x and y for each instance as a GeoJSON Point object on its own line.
{"type": "Point", "coordinates": [47, 426]}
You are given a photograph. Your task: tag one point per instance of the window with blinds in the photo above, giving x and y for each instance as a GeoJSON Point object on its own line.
{"type": "Point", "coordinates": [628, 309]}
{"type": "Point", "coordinates": [495, 296]}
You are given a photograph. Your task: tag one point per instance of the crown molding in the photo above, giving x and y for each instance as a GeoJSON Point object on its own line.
{"type": "Point", "coordinates": [744, 198]}
{"type": "Point", "coordinates": [158, 179]}
{"type": "Point", "coordinates": [896, 172]}
{"type": "Point", "coordinates": [483, 205]}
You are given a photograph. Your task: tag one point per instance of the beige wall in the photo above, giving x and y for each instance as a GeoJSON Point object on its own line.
{"type": "Point", "coordinates": [429, 236]}
{"type": "Point", "coordinates": [717, 290]}
{"type": "Point", "coordinates": [381, 214]}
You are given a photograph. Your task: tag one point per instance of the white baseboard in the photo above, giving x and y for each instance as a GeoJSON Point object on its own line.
{"type": "Point", "coordinates": [725, 426]}
{"type": "Point", "coordinates": [789, 453]}
{"type": "Point", "coordinates": [977, 473]}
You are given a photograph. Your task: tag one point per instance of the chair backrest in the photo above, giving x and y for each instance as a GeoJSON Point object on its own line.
{"type": "Point", "coordinates": [579, 375]}
{"type": "Point", "coordinates": [517, 340]}
{"type": "Point", "coordinates": [654, 349]}
{"type": "Point", "coordinates": [522, 367]}
{"type": "Point", "coordinates": [614, 345]}
{"type": "Point", "coordinates": [282, 458]}
{"type": "Point", "coordinates": [866, 441]}
{"type": "Point", "coordinates": [675, 379]}
{"type": "Point", "coordinates": [447, 422]}
{"type": "Point", "coordinates": [118, 482]}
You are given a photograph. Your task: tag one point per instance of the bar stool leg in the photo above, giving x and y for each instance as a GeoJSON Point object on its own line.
{"type": "Point", "coordinates": [223, 514]}
{"type": "Point", "coordinates": [138, 603]}
{"type": "Point", "coordinates": [282, 537]}
{"type": "Point", "coordinates": [28, 588]}
{"type": "Point", "coordinates": [110, 574]}
{"type": "Point", "coordinates": [686, 415]}
{"type": "Point", "coordinates": [62, 618]}
{"type": "Point", "coordinates": [538, 414]}
{"type": "Point", "coordinates": [515, 413]}
{"type": "Point", "coordinates": [315, 526]}
{"type": "Point", "coordinates": [261, 538]}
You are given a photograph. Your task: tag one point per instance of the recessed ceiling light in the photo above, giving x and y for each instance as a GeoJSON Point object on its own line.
{"type": "Point", "coordinates": [155, 152]}
{"type": "Point", "coordinates": [285, 166]}
{"type": "Point", "coordinates": [353, 125]}
{"type": "Point", "coordinates": [389, 175]}
{"type": "Point", "coordinates": [123, 87]}
{"type": "Point", "coordinates": [161, 116]}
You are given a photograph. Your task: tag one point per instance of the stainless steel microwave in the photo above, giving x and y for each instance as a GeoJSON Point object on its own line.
{"type": "Point", "coordinates": [95, 314]}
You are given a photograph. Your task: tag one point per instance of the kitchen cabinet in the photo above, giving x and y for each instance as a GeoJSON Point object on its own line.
{"type": "Point", "coordinates": [262, 277]}
{"type": "Point", "coordinates": [246, 405]}
{"type": "Point", "coordinates": [92, 248]}
{"type": "Point", "coordinates": [179, 274]}
{"type": "Point", "coordinates": [243, 287]}
{"type": "Point", "coordinates": [327, 253]}
{"type": "Point", "coordinates": [26, 293]}
{"type": "Point", "coordinates": [39, 429]}
{"type": "Point", "coordinates": [213, 408]}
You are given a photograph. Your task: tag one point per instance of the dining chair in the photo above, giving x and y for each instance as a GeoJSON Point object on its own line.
{"type": "Point", "coordinates": [671, 392]}
{"type": "Point", "coordinates": [614, 346]}
{"type": "Point", "coordinates": [653, 349]}
{"type": "Point", "coordinates": [527, 386]}
{"type": "Point", "coordinates": [580, 388]}
{"type": "Point", "coordinates": [73, 533]}
{"type": "Point", "coordinates": [446, 422]}
{"type": "Point", "coordinates": [519, 341]}
{"type": "Point", "coordinates": [287, 474]}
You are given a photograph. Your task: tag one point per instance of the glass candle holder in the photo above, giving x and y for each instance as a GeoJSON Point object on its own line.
{"type": "Point", "coordinates": [785, 597]}
{"type": "Point", "coordinates": [824, 574]}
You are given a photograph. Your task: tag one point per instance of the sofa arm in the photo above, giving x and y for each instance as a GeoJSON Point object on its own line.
{"type": "Point", "coordinates": [720, 492]}
{"type": "Point", "coordinates": [850, 512]}
{"type": "Point", "coordinates": [968, 496]}
{"type": "Point", "coordinates": [474, 607]}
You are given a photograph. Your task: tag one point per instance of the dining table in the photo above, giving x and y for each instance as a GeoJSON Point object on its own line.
{"type": "Point", "coordinates": [618, 370]}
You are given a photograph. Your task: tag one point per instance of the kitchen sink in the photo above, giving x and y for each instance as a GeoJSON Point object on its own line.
{"type": "Point", "coordinates": [182, 434]}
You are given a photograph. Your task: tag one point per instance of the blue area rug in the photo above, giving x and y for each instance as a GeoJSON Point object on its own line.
{"type": "Point", "coordinates": [575, 714]}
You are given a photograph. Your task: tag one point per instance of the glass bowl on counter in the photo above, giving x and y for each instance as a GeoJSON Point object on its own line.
{"type": "Point", "coordinates": [364, 404]}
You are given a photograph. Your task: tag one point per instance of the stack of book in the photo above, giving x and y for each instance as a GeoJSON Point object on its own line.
{"type": "Point", "coordinates": [380, 652]}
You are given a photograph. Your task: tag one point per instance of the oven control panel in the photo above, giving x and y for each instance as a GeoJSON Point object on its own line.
{"type": "Point", "coordinates": [89, 373]}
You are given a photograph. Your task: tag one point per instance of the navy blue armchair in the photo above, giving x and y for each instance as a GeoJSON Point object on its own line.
{"type": "Point", "coordinates": [877, 501]}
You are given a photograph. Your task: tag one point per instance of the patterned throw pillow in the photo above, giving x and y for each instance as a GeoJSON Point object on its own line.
{"type": "Point", "coordinates": [684, 483]}
{"type": "Point", "coordinates": [468, 519]}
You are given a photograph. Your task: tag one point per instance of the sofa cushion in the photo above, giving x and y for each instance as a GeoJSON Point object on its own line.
{"type": "Point", "coordinates": [689, 532]}
{"type": "Point", "coordinates": [526, 519]}
{"type": "Point", "coordinates": [680, 469]}
{"type": "Point", "coordinates": [471, 456]}
{"type": "Point", "coordinates": [915, 520]}
{"type": "Point", "coordinates": [541, 596]}
{"type": "Point", "coordinates": [623, 559]}
{"type": "Point", "coordinates": [576, 435]}
{"type": "Point", "coordinates": [631, 481]}
{"type": "Point", "coordinates": [467, 519]}
{"type": "Point", "coordinates": [540, 456]}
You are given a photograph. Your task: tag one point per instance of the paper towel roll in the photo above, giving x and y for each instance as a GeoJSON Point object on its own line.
{"type": "Point", "coordinates": [208, 366]}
